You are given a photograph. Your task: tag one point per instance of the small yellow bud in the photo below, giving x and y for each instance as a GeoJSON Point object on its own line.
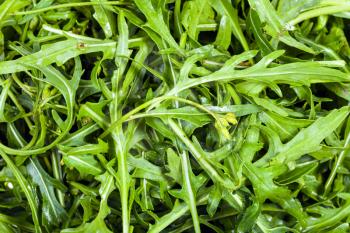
{"type": "Point", "coordinates": [231, 118]}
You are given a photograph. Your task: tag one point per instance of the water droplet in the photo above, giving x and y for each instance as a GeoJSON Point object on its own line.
{"type": "Point", "coordinates": [289, 27]}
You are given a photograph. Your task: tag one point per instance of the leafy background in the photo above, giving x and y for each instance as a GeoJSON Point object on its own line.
{"type": "Point", "coordinates": [174, 116]}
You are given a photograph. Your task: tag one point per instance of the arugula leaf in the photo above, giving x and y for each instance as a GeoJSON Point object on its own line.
{"type": "Point", "coordinates": [174, 116]}
{"type": "Point", "coordinates": [52, 211]}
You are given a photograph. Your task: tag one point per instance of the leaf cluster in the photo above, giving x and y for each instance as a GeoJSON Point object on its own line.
{"type": "Point", "coordinates": [174, 116]}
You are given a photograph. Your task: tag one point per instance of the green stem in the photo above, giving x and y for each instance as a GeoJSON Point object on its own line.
{"type": "Point", "coordinates": [118, 135]}
{"type": "Point", "coordinates": [123, 181]}
{"type": "Point", "coordinates": [20, 108]}
{"type": "Point", "coordinates": [179, 99]}
{"type": "Point", "coordinates": [57, 173]}
{"type": "Point", "coordinates": [326, 223]}
{"type": "Point", "coordinates": [186, 167]}
{"type": "Point", "coordinates": [328, 10]}
{"type": "Point", "coordinates": [337, 164]}
{"type": "Point", "coordinates": [72, 210]}
{"type": "Point", "coordinates": [151, 104]}
{"type": "Point", "coordinates": [67, 5]}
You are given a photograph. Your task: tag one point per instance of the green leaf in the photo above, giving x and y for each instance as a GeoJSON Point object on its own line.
{"type": "Point", "coordinates": [256, 27]}
{"type": "Point", "coordinates": [262, 180]}
{"type": "Point", "coordinates": [174, 166]}
{"type": "Point", "coordinates": [328, 218]}
{"type": "Point", "coordinates": [9, 6]}
{"type": "Point", "coordinates": [92, 149]}
{"type": "Point", "coordinates": [59, 53]}
{"type": "Point", "coordinates": [199, 154]}
{"type": "Point", "coordinates": [145, 169]}
{"type": "Point", "coordinates": [189, 114]}
{"type": "Point", "coordinates": [105, 18]}
{"type": "Point", "coordinates": [190, 185]}
{"type": "Point", "coordinates": [98, 224]}
{"type": "Point", "coordinates": [276, 26]}
{"type": "Point", "coordinates": [223, 37]}
{"type": "Point", "coordinates": [295, 174]}
{"type": "Point", "coordinates": [156, 22]}
{"type": "Point", "coordinates": [307, 140]}
{"type": "Point", "coordinates": [249, 218]}
{"type": "Point", "coordinates": [85, 164]}
{"type": "Point", "coordinates": [52, 211]}
{"type": "Point", "coordinates": [286, 127]}
{"type": "Point", "coordinates": [225, 8]}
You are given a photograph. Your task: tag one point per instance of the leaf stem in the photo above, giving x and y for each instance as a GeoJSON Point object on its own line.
{"type": "Point", "coordinates": [57, 173]}
{"type": "Point", "coordinates": [328, 10]}
{"type": "Point", "coordinates": [337, 164]}
{"type": "Point", "coordinates": [67, 5]}
{"type": "Point", "coordinates": [186, 167]}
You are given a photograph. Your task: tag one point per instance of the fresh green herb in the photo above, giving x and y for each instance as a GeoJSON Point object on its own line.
{"type": "Point", "coordinates": [174, 116]}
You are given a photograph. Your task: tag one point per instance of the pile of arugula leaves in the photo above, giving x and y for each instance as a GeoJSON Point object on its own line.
{"type": "Point", "coordinates": [174, 116]}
